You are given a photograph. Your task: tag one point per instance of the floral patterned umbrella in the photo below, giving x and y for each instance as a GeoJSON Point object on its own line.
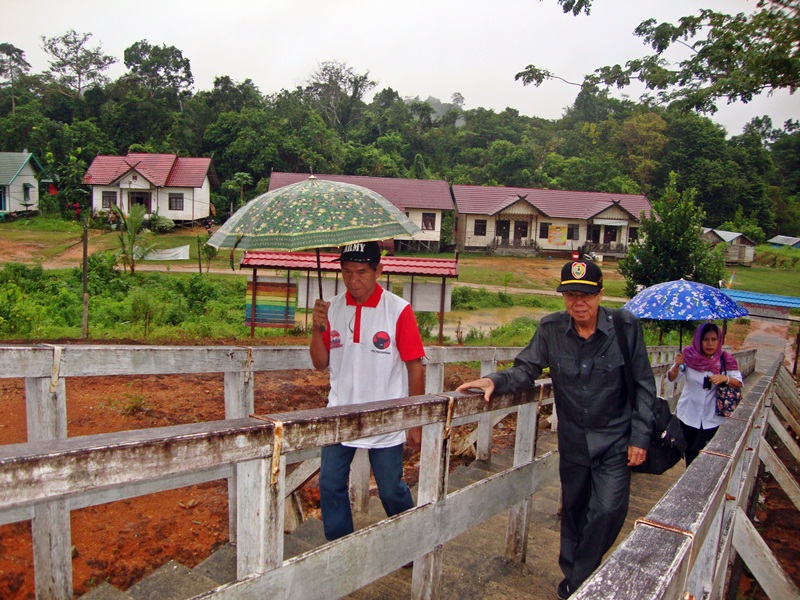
{"type": "Point", "coordinates": [683, 300]}
{"type": "Point", "coordinates": [312, 214]}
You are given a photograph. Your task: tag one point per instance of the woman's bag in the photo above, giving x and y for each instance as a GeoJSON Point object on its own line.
{"type": "Point", "coordinates": [667, 444]}
{"type": "Point", "coordinates": [728, 398]}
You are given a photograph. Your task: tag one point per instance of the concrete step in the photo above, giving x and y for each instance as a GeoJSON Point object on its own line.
{"type": "Point", "coordinates": [220, 566]}
{"type": "Point", "coordinates": [105, 591]}
{"type": "Point", "coordinates": [173, 581]}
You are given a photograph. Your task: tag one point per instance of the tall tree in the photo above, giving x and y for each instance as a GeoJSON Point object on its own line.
{"type": "Point", "coordinates": [337, 91]}
{"type": "Point", "coordinates": [162, 69]}
{"type": "Point", "coordinates": [12, 66]}
{"type": "Point", "coordinates": [74, 66]}
{"type": "Point", "coordinates": [734, 57]}
{"type": "Point", "coordinates": [669, 245]}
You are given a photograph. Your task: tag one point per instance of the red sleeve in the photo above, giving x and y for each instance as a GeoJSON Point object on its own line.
{"type": "Point", "coordinates": [407, 337]}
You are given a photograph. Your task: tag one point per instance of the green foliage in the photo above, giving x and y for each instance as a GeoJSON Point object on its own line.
{"type": "Point", "coordinates": [134, 244]}
{"type": "Point", "coordinates": [159, 224]}
{"type": "Point", "coordinates": [670, 247]}
{"type": "Point", "coordinates": [516, 333]}
{"type": "Point", "coordinates": [467, 298]}
{"type": "Point", "coordinates": [426, 321]}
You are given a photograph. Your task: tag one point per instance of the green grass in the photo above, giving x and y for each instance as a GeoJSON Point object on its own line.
{"type": "Point", "coordinates": [766, 280]}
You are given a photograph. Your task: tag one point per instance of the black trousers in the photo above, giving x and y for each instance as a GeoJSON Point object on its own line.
{"type": "Point", "coordinates": [594, 506]}
{"type": "Point", "coordinates": [696, 440]}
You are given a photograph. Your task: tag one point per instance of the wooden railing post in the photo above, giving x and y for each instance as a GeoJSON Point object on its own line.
{"type": "Point", "coordinates": [524, 450]}
{"type": "Point", "coordinates": [359, 480]}
{"type": "Point", "coordinates": [239, 403]}
{"type": "Point", "coordinates": [259, 545]}
{"type": "Point", "coordinates": [434, 370]}
{"type": "Point", "coordinates": [46, 410]}
{"type": "Point", "coordinates": [433, 471]}
{"type": "Point", "coordinates": [483, 444]}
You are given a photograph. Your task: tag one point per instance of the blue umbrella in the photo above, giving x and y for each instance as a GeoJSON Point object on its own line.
{"type": "Point", "coordinates": [683, 300]}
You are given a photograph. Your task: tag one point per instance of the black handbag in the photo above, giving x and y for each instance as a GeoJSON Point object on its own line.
{"type": "Point", "coordinates": [667, 444]}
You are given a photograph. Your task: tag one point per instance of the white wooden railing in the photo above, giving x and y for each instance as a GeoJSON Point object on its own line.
{"type": "Point", "coordinates": [50, 475]}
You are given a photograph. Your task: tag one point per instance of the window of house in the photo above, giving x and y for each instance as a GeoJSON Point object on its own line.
{"type": "Point", "coordinates": [2, 198]}
{"type": "Point", "coordinates": [633, 234]}
{"type": "Point", "coordinates": [544, 230]}
{"type": "Point", "coordinates": [480, 227]}
{"type": "Point", "coordinates": [428, 221]}
{"type": "Point", "coordinates": [572, 231]}
{"type": "Point", "coordinates": [176, 201]}
{"type": "Point", "coordinates": [109, 200]}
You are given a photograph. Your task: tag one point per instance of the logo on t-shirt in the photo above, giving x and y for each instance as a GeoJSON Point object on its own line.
{"type": "Point", "coordinates": [381, 340]}
{"type": "Point", "coordinates": [336, 339]}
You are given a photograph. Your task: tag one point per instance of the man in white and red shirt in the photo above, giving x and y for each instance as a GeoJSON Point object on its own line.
{"type": "Point", "coordinates": [370, 340]}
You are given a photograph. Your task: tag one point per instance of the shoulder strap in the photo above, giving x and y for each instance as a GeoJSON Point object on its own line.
{"type": "Point", "coordinates": [626, 353]}
{"type": "Point", "coordinates": [722, 368]}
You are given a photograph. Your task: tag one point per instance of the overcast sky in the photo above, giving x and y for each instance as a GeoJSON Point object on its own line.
{"type": "Point", "coordinates": [417, 47]}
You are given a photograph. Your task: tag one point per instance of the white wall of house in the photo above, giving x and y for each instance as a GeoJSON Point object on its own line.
{"type": "Point", "coordinates": [23, 190]}
{"type": "Point", "coordinates": [416, 217]}
{"type": "Point", "coordinates": [196, 201]}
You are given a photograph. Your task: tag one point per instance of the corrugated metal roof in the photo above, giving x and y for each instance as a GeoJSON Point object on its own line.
{"type": "Point", "coordinates": [764, 299]}
{"type": "Point", "coordinates": [307, 261]}
{"type": "Point", "coordinates": [784, 240]}
{"type": "Point", "coordinates": [11, 163]}
{"type": "Point", "coordinates": [489, 200]}
{"type": "Point", "coordinates": [403, 193]}
{"type": "Point", "coordinates": [161, 170]}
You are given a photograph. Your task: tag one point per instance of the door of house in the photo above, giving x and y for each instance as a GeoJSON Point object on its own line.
{"type": "Point", "coordinates": [610, 234]}
{"type": "Point", "coordinates": [593, 234]}
{"type": "Point", "coordinates": [502, 230]}
{"type": "Point", "coordinates": [3, 198]}
{"type": "Point", "coordinates": [520, 231]}
{"type": "Point", "coordinates": [142, 198]}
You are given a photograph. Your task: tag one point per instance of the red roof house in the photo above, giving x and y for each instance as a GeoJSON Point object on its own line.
{"type": "Point", "coordinates": [537, 220]}
{"type": "Point", "coordinates": [177, 187]}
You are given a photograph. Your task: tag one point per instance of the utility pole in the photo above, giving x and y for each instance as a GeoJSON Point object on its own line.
{"type": "Point", "coordinates": [85, 319]}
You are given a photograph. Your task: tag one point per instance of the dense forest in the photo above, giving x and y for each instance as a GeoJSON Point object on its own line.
{"type": "Point", "coordinates": [338, 122]}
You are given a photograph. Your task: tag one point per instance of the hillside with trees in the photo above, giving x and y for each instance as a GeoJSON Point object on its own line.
{"type": "Point", "coordinates": [340, 122]}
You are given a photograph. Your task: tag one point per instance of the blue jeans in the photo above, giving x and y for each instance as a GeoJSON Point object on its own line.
{"type": "Point", "coordinates": [334, 494]}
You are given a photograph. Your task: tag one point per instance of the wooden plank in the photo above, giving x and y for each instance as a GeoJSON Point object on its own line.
{"type": "Point", "coordinates": [52, 559]}
{"type": "Point", "coordinates": [362, 557]}
{"type": "Point", "coordinates": [755, 553]}
{"type": "Point", "coordinates": [784, 436]}
{"type": "Point", "coordinates": [45, 408]}
{"type": "Point", "coordinates": [781, 474]}
{"type": "Point", "coordinates": [432, 489]}
{"type": "Point", "coordinates": [786, 414]}
{"type": "Point", "coordinates": [48, 470]}
{"type": "Point", "coordinates": [651, 563]}
{"type": "Point", "coordinates": [259, 545]}
{"type": "Point", "coordinates": [301, 474]}
{"type": "Point", "coordinates": [359, 480]}
{"type": "Point", "coordinates": [519, 514]}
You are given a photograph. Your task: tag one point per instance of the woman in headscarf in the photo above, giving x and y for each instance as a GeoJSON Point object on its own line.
{"type": "Point", "coordinates": [701, 364]}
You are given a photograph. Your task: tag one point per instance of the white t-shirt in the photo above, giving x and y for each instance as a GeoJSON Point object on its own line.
{"type": "Point", "coordinates": [368, 345]}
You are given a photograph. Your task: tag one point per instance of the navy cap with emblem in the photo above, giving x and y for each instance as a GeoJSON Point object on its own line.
{"type": "Point", "coordinates": [578, 276]}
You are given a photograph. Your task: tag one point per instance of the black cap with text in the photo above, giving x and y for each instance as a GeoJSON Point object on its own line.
{"type": "Point", "coordinates": [363, 252]}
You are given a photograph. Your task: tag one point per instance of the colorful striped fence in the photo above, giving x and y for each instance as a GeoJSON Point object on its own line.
{"type": "Point", "coordinates": [275, 300]}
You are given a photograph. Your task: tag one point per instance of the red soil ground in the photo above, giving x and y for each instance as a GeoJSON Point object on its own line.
{"type": "Point", "coordinates": [121, 542]}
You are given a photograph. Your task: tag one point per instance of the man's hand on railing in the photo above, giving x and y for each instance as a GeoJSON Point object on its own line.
{"type": "Point", "coordinates": [484, 383]}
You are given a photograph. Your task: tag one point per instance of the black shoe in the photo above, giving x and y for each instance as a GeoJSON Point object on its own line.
{"type": "Point", "coordinates": [563, 590]}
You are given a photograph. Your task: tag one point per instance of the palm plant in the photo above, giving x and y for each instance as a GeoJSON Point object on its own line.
{"type": "Point", "coordinates": [134, 244]}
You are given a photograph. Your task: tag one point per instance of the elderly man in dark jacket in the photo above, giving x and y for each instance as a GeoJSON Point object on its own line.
{"type": "Point", "coordinates": [600, 434]}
